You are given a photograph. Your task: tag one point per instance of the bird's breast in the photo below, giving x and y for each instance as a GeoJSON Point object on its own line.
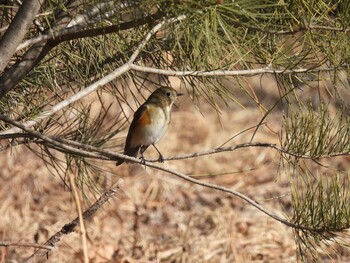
{"type": "Point", "coordinates": [152, 126]}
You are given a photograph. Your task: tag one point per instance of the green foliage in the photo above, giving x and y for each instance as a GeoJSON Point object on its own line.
{"type": "Point", "coordinates": [321, 207]}
{"type": "Point", "coordinates": [317, 133]}
{"type": "Point", "coordinates": [215, 35]}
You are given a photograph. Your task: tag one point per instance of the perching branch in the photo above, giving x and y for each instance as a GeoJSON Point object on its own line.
{"type": "Point", "coordinates": [69, 228]}
{"type": "Point", "coordinates": [249, 145]}
{"type": "Point", "coordinates": [93, 152]}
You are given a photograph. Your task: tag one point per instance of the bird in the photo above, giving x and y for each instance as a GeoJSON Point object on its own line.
{"type": "Point", "coordinates": [150, 122]}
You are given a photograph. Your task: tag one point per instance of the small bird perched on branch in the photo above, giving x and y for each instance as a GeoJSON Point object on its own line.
{"type": "Point", "coordinates": [150, 122]}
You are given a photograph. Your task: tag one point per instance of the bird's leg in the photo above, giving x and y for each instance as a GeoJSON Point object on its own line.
{"type": "Point", "coordinates": [160, 158]}
{"type": "Point", "coordinates": [142, 150]}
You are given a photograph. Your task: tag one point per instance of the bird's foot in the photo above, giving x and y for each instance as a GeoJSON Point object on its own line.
{"type": "Point", "coordinates": [143, 161]}
{"type": "Point", "coordinates": [161, 158]}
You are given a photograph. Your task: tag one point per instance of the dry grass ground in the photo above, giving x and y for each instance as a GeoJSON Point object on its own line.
{"type": "Point", "coordinates": [158, 217]}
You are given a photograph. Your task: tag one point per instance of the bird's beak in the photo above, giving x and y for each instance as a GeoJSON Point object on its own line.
{"type": "Point", "coordinates": [179, 94]}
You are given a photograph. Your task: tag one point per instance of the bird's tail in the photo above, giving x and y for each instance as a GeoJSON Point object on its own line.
{"type": "Point", "coordinates": [130, 152]}
{"type": "Point", "coordinates": [119, 162]}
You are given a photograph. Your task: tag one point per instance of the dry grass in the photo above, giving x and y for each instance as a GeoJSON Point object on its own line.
{"type": "Point", "coordinates": [157, 216]}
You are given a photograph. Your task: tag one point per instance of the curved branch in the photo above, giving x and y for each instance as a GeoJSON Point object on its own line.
{"type": "Point", "coordinates": [109, 155]}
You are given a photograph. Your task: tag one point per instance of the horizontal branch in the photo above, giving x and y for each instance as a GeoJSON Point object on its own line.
{"type": "Point", "coordinates": [77, 31]}
{"type": "Point", "coordinates": [299, 29]}
{"type": "Point", "coordinates": [250, 145]}
{"type": "Point", "coordinates": [24, 244]}
{"type": "Point", "coordinates": [225, 73]}
{"type": "Point", "coordinates": [94, 152]}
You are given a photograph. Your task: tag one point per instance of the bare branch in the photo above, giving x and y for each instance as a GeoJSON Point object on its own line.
{"type": "Point", "coordinates": [69, 228]}
{"type": "Point", "coordinates": [109, 155]}
{"type": "Point", "coordinates": [17, 30]}
{"type": "Point", "coordinates": [249, 145]}
{"type": "Point", "coordinates": [225, 73]}
{"type": "Point", "coordinates": [24, 244]}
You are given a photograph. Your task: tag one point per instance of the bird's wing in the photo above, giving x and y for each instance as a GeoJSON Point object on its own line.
{"type": "Point", "coordinates": [141, 117]}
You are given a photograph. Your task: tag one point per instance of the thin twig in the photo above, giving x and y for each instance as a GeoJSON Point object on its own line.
{"type": "Point", "coordinates": [103, 154]}
{"type": "Point", "coordinates": [300, 29]}
{"type": "Point", "coordinates": [68, 228]}
{"type": "Point", "coordinates": [226, 73]}
{"type": "Point", "coordinates": [24, 244]}
{"type": "Point", "coordinates": [109, 155]}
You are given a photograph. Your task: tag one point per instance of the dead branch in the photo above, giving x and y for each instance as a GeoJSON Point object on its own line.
{"type": "Point", "coordinates": [69, 228]}
{"type": "Point", "coordinates": [24, 244]}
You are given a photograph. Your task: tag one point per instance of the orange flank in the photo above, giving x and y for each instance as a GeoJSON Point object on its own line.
{"type": "Point", "coordinates": [144, 118]}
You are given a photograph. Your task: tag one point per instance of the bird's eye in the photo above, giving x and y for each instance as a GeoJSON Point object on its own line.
{"type": "Point", "coordinates": [168, 93]}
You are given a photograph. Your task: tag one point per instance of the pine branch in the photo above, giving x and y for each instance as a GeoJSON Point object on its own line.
{"type": "Point", "coordinates": [93, 152]}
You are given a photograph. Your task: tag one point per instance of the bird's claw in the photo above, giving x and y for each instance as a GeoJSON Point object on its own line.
{"type": "Point", "coordinates": [143, 161]}
{"type": "Point", "coordinates": [161, 158]}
